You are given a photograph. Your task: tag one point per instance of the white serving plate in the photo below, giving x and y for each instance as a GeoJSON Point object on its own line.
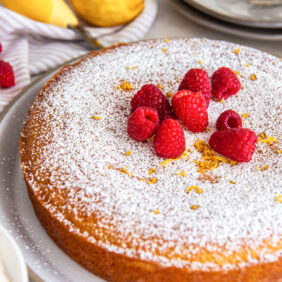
{"type": "Point", "coordinates": [241, 12]}
{"type": "Point", "coordinates": [43, 257]}
{"type": "Point", "coordinates": [233, 29]}
{"type": "Point", "coordinates": [12, 258]}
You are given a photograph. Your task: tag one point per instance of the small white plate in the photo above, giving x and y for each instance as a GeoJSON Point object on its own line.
{"type": "Point", "coordinates": [12, 258]}
{"type": "Point", "coordinates": [241, 12]}
{"type": "Point", "coordinates": [229, 28]}
{"type": "Point", "coordinates": [41, 254]}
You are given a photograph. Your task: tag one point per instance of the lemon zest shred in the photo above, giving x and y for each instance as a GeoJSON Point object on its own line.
{"type": "Point", "coordinates": [125, 171]}
{"type": "Point", "coordinates": [262, 135]}
{"type": "Point", "coordinates": [151, 170]}
{"type": "Point", "coordinates": [182, 173]}
{"type": "Point", "coordinates": [157, 211]}
{"type": "Point", "coordinates": [96, 117]}
{"type": "Point", "coordinates": [279, 198]}
{"type": "Point", "coordinates": [183, 155]}
{"type": "Point", "coordinates": [169, 94]}
{"type": "Point", "coordinates": [194, 187]}
{"type": "Point", "coordinates": [210, 159]}
{"type": "Point", "coordinates": [245, 115]}
{"type": "Point", "coordinates": [128, 153]}
{"type": "Point", "coordinates": [160, 86]}
{"type": "Point", "coordinates": [126, 86]}
{"type": "Point", "coordinates": [267, 139]}
{"type": "Point", "coordinates": [152, 181]}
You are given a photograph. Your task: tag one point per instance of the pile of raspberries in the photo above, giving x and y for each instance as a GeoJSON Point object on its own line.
{"type": "Point", "coordinates": [151, 113]}
{"type": "Point", "coordinates": [7, 78]}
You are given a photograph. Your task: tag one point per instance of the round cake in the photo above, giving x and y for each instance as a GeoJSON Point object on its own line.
{"type": "Point", "coordinates": [124, 213]}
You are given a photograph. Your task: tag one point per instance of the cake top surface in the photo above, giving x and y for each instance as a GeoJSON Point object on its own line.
{"type": "Point", "coordinates": [82, 147]}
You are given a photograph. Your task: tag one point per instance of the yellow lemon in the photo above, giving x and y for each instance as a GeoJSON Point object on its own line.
{"type": "Point", "coordinates": [54, 12]}
{"type": "Point", "coordinates": [108, 13]}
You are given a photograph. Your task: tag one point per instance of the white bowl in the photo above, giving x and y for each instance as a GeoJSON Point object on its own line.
{"type": "Point", "coordinates": [12, 258]}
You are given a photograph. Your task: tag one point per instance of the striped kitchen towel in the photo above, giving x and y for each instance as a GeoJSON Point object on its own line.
{"type": "Point", "coordinates": [33, 47]}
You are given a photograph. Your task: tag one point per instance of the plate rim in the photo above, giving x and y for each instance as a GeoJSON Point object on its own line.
{"type": "Point", "coordinates": [234, 19]}
{"type": "Point", "coordinates": [17, 252]}
{"type": "Point", "coordinates": [218, 25]}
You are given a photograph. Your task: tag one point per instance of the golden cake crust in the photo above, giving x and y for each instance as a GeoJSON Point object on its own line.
{"type": "Point", "coordinates": [67, 229]}
{"type": "Point", "coordinates": [116, 267]}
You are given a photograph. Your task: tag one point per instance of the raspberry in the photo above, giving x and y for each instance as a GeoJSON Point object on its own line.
{"type": "Point", "coordinates": [7, 78]}
{"type": "Point", "coordinates": [191, 109]}
{"type": "Point", "coordinates": [0, 47]}
{"type": "Point", "coordinates": [237, 144]}
{"type": "Point", "coordinates": [228, 119]}
{"type": "Point", "coordinates": [143, 123]}
{"type": "Point", "coordinates": [197, 80]}
{"type": "Point", "coordinates": [151, 96]}
{"type": "Point", "coordinates": [224, 83]}
{"type": "Point", "coordinates": [169, 142]}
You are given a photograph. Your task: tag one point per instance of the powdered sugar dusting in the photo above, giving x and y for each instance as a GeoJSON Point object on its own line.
{"type": "Point", "coordinates": [77, 150]}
